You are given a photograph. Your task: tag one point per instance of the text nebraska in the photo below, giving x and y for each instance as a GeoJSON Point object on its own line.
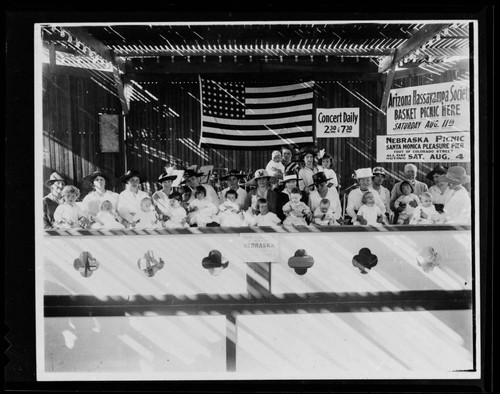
{"type": "Point", "coordinates": [259, 245]}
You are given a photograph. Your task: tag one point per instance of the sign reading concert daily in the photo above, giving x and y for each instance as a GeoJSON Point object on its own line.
{"type": "Point", "coordinates": [445, 147]}
{"type": "Point", "coordinates": [337, 122]}
{"type": "Point", "coordinates": [436, 108]}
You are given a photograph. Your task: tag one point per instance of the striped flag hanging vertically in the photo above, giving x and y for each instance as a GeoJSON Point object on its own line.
{"type": "Point", "coordinates": [237, 115]}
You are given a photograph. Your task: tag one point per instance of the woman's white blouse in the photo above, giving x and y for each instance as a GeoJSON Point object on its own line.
{"type": "Point", "coordinates": [130, 203]}
{"type": "Point", "coordinates": [91, 203]}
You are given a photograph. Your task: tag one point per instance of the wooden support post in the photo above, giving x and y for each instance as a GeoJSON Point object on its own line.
{"type": "Point", "coordinates": [387, 89]}
{"type": "Point", "coordinates": [52, 57]}
{"type": "Point", "coordinates": [231, 341]}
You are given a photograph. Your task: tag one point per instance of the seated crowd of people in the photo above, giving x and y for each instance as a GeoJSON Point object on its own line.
{"type": "Point", "coordinates": [286, 192]}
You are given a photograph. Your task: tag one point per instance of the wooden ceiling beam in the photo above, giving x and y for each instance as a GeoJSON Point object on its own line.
{"type": "Point", "coordinates": [183, 67]}
{"type": "Point", "coordinates": [413, 43]}
{"type": "Point", "coordinates": [195, 52]}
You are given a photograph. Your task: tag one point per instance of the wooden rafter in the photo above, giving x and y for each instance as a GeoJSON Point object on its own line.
{"type": "Point", "coordinates": [413, 43]}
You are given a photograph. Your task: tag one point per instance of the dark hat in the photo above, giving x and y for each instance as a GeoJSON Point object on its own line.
{"type": "Point", "coordinates": [439, 169]}
{"type": "Point", "coordinates": [300, 261]}
{"type": "Point", "coordinates": [55, 177]}
{"type": "Point", "coordinates": [165, 176]}
{"type": "Point", "coordinates": [235, 173]}
{"type": "Point", "coordinates": [365, 260]}
{"type": "Point", "coordinates": [131, 173]}
{"type": "Point", "coordinates": [214, 260]}
{"type": "Point", "coordinates": [455, 176]}
{"type": "Point", "coordinates": [90, 178]}
{"type": "Point", "coordinates": [320, 177]}
{"type": "Point", "coordinates": [189, 173]}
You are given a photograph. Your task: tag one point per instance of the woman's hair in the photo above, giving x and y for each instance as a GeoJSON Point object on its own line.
{"type": "Point", "coordinates": [231, 191]}
{"type": "Point", "coordinates": [200, 189]}
{"type": "Point", "coordinates": [70, 189]}
{"type": "Point", "coordinates": [325, 156]}
{"type": "Point", "coordinates": [405, 183]}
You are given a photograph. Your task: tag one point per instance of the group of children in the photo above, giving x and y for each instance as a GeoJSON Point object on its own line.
{"type": "Point", "coordinates": [202, 211]}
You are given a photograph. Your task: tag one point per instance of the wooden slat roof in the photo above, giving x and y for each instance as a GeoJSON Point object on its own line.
{"type": "Point", "coordinates": [104, 44]}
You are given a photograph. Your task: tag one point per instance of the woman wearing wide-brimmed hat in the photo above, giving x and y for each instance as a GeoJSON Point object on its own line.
{"type": "Point", "coordinates": [233, 179]}
{"type": "Point", "coordinates": [308, 169]}
{"type": "Point", "coordinates": [355, 197]}
{"type": "Point", "coordinates": [192, 181]}
{"type": "Point", "coordinates": [440, 191]}
{"type": "Point", "coordinates": [129, 200]}
{"type": "Point", "coordinates": [290, 181]}
{"type": "Point", "coordinates": [323, 191]}
{"type": "Point", "coordinates": [93, 200]}
{"type": "Point", "coordinates": [262, 181]}
{"type": "Point", "coordinates": [51, 201]}
{"type": "Point", "coordinates": [457, 209]}
{"type": "Point", "coordinates": [161, 197]}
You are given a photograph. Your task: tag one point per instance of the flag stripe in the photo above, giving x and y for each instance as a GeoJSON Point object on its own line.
{"type": "Point", "coordinates": [279, 88]}
{"type": "Point", "coordinates": [277, 93]}
{"type": "Point", "coordinates": [213, 121]}
{"type": "Point", "coordinates": [256, 144]}
{"type": "Point", "coordinates": [306, 130]}
{"type": "Point", "coordinates": [232, 129]}
{"type": "Point", "coordinates": [282, 99]}
{"type": "Point", "coordinates": [264, 113]}
{"type": "Point", "coordinates": [306, 103]}
{"type": "Point", "coordinates": [256, 137]}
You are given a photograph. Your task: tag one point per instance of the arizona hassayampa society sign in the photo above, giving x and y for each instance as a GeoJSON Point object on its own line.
{"type": "Point", "coordinates": [428, 123]}
{"type": "Point", "coordinates": [441, 107]}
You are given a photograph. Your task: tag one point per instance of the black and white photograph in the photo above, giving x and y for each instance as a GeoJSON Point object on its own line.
{"type": "Point", "coordinates": [258, 200]}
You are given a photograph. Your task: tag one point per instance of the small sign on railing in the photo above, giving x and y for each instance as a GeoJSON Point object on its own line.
{"type": "Point", "coordinates": [259, 248]}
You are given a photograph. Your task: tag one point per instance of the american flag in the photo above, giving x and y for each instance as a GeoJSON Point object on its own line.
{"type": "Point", "coordinates": [237, 115]}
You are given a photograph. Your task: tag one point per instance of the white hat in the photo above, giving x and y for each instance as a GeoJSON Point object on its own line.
{"type": "Point", "coordinates": [364, 173]}
{"type": "Point", "coordinates": [258, 175]}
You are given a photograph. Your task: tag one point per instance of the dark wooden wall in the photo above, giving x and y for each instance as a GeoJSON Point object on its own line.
{"type": "Point", "coordinates": [71, 143]}
{"type": "Point", "coordinates": [165, 130]}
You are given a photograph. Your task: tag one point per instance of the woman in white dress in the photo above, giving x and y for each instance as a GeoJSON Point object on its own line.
{"type": "Point", "coordinates": [161, 197]}
{"type": "Point", "coordinates": [129, 201]}
{"type": "Point", "coordinates": [91, 203]}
